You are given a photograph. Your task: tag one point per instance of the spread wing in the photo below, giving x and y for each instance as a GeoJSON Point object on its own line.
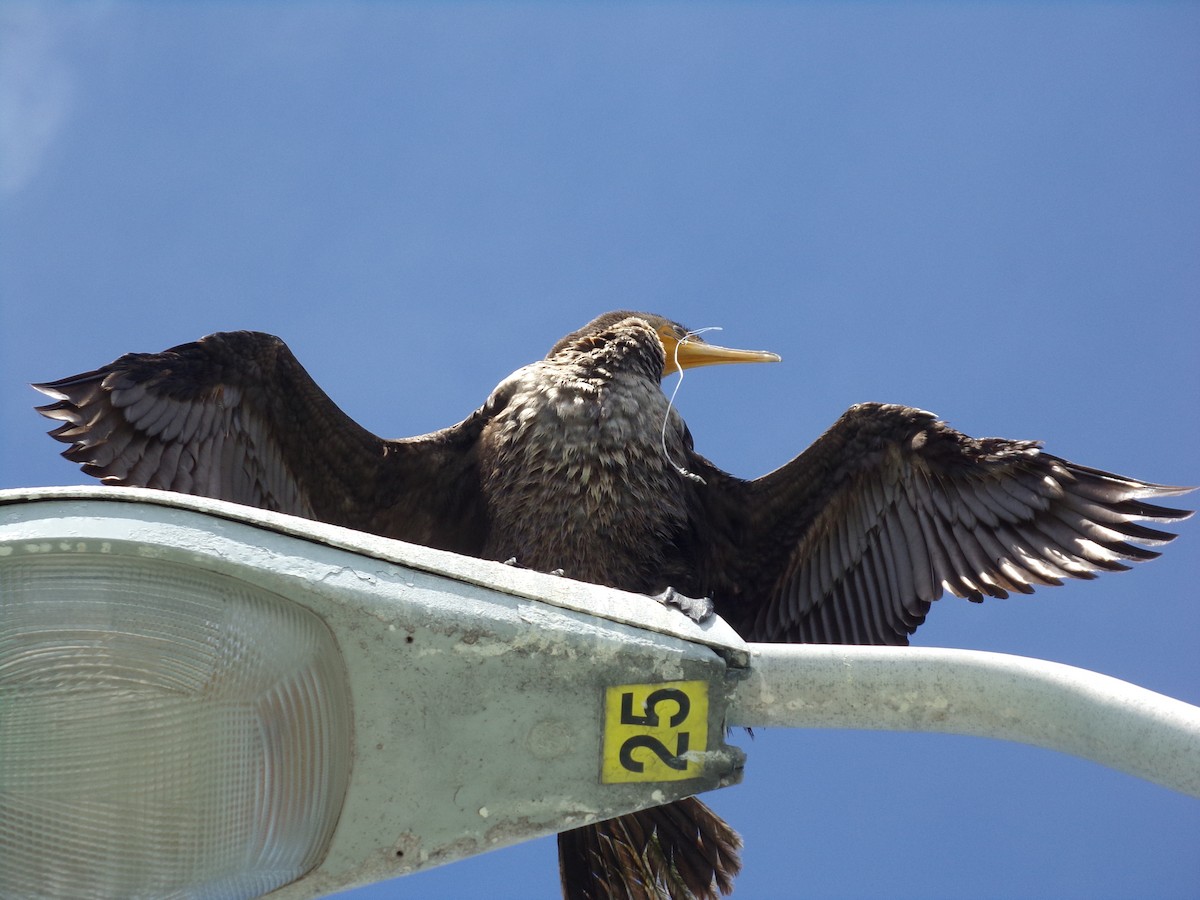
{"type": "Point", "coordinates": [235, 416]}
{"type": "Point", "coordinates": [854, 539]}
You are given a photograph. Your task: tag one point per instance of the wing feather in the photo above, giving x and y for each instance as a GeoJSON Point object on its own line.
{"type": "Point", "coordinates": [923, 563]}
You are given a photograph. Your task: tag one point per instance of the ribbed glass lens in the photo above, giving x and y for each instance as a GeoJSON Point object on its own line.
{"type": "Point", "coordinates": [164, 731]}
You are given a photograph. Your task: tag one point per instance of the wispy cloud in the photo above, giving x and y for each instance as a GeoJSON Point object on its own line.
{"type": "Point", "coordinates": [37, 87]}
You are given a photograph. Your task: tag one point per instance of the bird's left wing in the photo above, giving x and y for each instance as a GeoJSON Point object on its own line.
{"type": "Point", "coordinates": [852, 540]}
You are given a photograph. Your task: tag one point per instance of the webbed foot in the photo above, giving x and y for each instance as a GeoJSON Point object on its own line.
{"type": "Point", "coordinates": [698, 609]}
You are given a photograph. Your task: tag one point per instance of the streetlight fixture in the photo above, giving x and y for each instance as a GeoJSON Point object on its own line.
{"type": "Point", "coordinates": [205, 699]}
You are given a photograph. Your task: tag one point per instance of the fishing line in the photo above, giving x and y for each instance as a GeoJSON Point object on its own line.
{"type": "Point", "coordinates": [671, 403]}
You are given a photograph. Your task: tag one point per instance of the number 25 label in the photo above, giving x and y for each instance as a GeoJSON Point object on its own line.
{"type": "Point", "coordinates": [654, 732]}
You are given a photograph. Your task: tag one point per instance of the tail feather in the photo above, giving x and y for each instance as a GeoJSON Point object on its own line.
{"type": "Point", "coordinates": [681, 851]}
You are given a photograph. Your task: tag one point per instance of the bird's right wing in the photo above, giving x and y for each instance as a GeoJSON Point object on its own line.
{"type": "Point", "coordinates": [234, 416]}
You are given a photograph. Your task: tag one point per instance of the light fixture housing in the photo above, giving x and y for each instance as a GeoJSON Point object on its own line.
{"type": "Point", "coordinates": [206, 700]}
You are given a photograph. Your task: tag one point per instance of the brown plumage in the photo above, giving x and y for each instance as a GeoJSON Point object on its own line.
{"type": "Point", "coordinates": [569, 465]}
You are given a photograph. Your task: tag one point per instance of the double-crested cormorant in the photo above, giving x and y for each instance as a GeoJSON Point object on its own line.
{"type": "Point", "coordinates": [578, 462]}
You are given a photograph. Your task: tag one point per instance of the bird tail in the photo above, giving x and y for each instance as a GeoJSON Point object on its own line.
{"type": "Point", "coordinates": [681, 851]}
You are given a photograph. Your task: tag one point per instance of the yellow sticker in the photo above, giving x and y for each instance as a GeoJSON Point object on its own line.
{"type": "Point", "coordinates": [654, 732]}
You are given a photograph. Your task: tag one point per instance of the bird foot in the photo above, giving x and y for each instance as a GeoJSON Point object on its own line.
{"type": "Point", "coordinates": [698, 609]}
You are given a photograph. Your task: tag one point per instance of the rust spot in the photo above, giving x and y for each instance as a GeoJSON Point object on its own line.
{"type": "Point", "coordinates": [407, 844]}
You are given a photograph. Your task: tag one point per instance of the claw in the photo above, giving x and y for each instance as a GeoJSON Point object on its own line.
{"type": "Point", "coordinates": [512, 561]}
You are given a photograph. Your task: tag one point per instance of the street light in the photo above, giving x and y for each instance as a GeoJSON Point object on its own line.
{"type": "Point", "coordinates": [206, 699]}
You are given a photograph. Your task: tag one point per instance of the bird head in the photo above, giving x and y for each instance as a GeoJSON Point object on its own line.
{"type": "Point", "coordinates": [681, 348]}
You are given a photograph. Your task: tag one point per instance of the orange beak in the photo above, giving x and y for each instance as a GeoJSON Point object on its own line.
{"type": "Point", "coordinates": [690, 352]}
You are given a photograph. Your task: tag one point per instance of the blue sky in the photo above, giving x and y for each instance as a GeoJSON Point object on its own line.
{"type": "Point", "coordinates": [987, 210]}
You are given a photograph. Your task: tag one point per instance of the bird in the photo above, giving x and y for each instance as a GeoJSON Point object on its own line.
{"type": "Point", "coordinates": [580, 463]}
